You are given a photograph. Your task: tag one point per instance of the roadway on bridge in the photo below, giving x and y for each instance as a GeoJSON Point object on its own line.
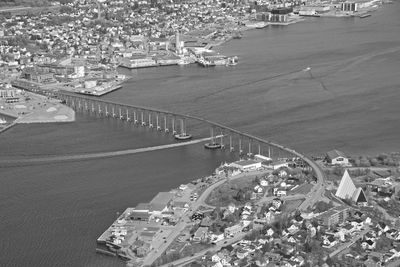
{"type": "Point", "coordinates": [89, 156]}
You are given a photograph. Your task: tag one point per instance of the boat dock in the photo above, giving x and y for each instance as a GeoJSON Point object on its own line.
{"type": "Point", "coordinates": [98, 91]}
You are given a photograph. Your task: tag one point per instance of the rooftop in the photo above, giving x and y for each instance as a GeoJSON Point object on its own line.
{"type": "Point", "coordinates": [335, 153]}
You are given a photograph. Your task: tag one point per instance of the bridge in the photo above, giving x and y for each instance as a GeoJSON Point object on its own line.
{"type": "Point", "coordinates": [176, 123]}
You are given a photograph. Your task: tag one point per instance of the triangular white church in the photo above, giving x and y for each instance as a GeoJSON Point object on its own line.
{"type": "Point", "coordinates": [347, 190]}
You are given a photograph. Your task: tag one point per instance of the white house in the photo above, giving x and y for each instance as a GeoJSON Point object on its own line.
{"type": "Point", "coordinates": [269, 232]}
{"type": "Point", "coordinates": [263, 182]}
{"type": "Point", "coordinates": [246, 165]}
{"type": "Point", "coordinates": [258, 189]}
{"type": "Point", "coordinates": [262, 158]}
{"type": "Point", "coordinates": [279, 164]}
{"type": "Point", "coordinates": [233, 230]}
{"type": "Point", "coordinates": [216, 238]}
{"type": "Point", "coordinates": [336, 157]}
{"type": "Point", "coordinates": [231, 208]}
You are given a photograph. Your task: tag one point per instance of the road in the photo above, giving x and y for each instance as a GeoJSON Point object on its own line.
{"type": "Point", "coordinates": [350, 243]}
{"type": "Point", "coordinates": [98, 155]}
{"type": "Point", "coordinates": [317, 193]}
{"type": "Point", "coordinates": [310, 200]}
{"type": "Point", "coordinates": [199, 254]}
{"type": "Point", "coordinates": [185, 221]}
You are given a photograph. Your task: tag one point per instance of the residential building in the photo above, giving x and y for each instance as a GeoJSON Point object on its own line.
{"type": "Point", "coordinates": [334, 216]}
{"type": "Point", "coordinates": [246, 165]}
{"type": "Point", "coordinates": [201, 234]}
{"type": "Point", "coordinates": [336, 157]}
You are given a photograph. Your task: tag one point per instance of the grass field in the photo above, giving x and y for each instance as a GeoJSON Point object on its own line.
{"type": "Point", "coordinates": [291, 205]}
{"type": "Point", "coordinates": [224, 195]}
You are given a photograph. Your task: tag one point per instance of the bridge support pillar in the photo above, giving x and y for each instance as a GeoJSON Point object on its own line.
{"type": "Point", "coordinates": [135, 119]}
{"type": "Point", "coordinates": [165, 125]}
{"type": "Point", "coordinates": [107, 110]}
{"type": "Point", "coordinates": [173, 126]}
{"type": "Point", "coordinates": [249, 153]}
{"type": "Point", "coordinates": [231, 148]}
{"type": "Point", "coordinates": [150, 121]}
{"type": "Point", "coordinates": [158, 125]}
{"type": "Point", "coordinates": [222, 140]}
{"type": "Point", "coordinates": [99, 106]}
{"type": "Point", "coordinates": [113, 112]}
{"type": "Point", "coordinates": [143, 122]}
{"type": "Point", "coordinates": [127, 115]}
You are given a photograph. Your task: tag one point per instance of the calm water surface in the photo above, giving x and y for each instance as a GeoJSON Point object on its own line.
{"type": "Point", "coordinates": [51, 214]}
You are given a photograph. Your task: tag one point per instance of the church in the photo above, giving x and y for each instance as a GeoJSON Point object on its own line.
{"type": "Point", "coordinates": [347, 190]}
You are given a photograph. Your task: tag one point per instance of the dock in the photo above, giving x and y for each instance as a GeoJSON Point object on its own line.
{"type": "Point", "coordinates": [96, 92]}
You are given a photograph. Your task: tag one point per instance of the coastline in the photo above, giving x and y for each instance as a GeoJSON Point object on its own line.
{"type": "Point", "coordinates": [37, 109]}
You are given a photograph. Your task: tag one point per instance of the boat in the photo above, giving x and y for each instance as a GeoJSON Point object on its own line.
{"type": "Point", "coordinates": [183, 62]}
{"type": "Point", "coordinates": [205, 63]}
{"type": "Point", "coordinates": [232, 61]}
{"type": "Point", "coordinates": [212, 145]}
{"type": "Point", "coordinates": [262, 25]}
{"type": "Point", "coordinates": [183, 136]}
{"type": "Point", "coordinates": [364, 15]}
{"type": "Point", "coordinates": [3, 121]}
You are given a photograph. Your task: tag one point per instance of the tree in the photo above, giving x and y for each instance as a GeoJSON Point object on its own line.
{"type": "Point", "coordinates": [338, 170]}
{"type": "Point", "coordinates": [322, 206]}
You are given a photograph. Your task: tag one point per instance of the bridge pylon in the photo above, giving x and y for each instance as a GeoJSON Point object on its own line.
{"type": "Point", "coordinates": [249, 153]}
{"type": "Point", "coordinates": [173, 126]}
{"type": "Point", "coordinates": [142, 121]}
{"type": "Point", "coordinates": [165, 124]}
{"type": "Point", "coordinates": [150, 121]}
{"type": "Point", "coordinates": [158, 125]}
{"type": "Point", "coordinates": [135, 119]}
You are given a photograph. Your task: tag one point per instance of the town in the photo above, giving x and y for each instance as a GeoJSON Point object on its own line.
{"type": "Point", "coordinates": [260, 212]}
{"type": "Point", "coordinates": [77, 45]}
{"type": "Point", "coordinates": [254, 211]}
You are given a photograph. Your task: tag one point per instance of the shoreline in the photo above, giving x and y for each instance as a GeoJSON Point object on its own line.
{"type": "Point", "coordinates": [36, 109]}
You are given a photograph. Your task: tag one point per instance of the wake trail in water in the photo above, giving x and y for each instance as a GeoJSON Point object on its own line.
{"type": "Point", "coordinates": [245, 84]}
{"type": "Point", "coordinates": [318, 80]}
{"type": "Point", "coordinates": [61, 158]}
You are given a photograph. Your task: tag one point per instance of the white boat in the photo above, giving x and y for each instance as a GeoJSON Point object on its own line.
{"type": "Point", "coordinates": [2, 121]}
{"type": "Point", "coordinates": [232, 61]}
{"type": "Point", "coordinates": [184, 61]}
